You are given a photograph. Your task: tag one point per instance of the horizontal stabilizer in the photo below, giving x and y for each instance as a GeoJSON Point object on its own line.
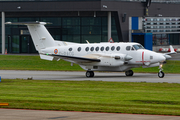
{"type": "Point", "coordinates": [27, 23]}
{"type": "Point", "coordinates": [45, 57]}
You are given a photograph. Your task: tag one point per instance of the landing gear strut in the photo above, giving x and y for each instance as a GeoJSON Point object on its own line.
{"type": "Point", "coordinates": [161, 73]}
{"type": "Point", "coordinates": [90, 74]}
{"type": "Point", "coordinates": [129, 73]}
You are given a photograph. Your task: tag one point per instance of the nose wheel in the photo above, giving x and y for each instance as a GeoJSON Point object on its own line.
{"type": "Point", "coordinates": [90, 74]}
{"type": "Point", "coordinates": [161, 73]}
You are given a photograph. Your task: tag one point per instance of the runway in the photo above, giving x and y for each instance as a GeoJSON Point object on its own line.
{"type": "Point", "coordinates": [80, 76]}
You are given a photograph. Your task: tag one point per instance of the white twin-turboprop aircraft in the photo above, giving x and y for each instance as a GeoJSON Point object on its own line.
{"type": "Point", "coordinates": [92, 57]}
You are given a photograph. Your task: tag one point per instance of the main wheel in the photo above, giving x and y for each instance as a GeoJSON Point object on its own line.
{"type": "Point", "coordinates": [89, 74]}
{"type": "Point", "coordinates": [161, 74]}
{"type": "Point", "coordinates": [129, 73]}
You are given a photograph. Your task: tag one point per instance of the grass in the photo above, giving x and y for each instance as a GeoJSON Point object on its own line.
{"type": "Point", "coordinates": [95, 96]}
{"type": "Point", "coordinates": [18, 62]}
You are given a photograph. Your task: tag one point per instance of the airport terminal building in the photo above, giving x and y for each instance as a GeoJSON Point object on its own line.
{"type": "Point", "coordinates": [150, 22]}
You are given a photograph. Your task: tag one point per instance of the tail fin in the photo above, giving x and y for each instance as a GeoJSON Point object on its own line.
{"type": "Point", "coordinates": [171, 51]}
{"type": "Point", "coordinates": [40, 36]}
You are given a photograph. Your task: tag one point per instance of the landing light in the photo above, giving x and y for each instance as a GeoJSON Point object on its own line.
{"type": "Point", "coordinates": [161, 65]}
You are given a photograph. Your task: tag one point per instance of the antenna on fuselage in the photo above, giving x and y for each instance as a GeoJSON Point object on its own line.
{"type": "Point", "coordinates": [87, 41]}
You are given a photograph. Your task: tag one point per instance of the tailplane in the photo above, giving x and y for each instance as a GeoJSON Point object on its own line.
{"type": "Point", "coordinates": [40, 36]}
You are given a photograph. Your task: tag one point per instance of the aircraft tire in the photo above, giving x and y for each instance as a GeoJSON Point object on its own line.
{"type": "Point", "coordinates": [161, 74]}
{"type": "Point", "coordinates": [89, 74]}
{"type": "Point", "coordinates": [129, 73]}
{"type": "Point", "coordinates": [92, 74]}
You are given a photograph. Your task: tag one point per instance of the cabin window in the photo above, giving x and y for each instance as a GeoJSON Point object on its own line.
{"type": "Point", "coordinates": [118, 48]}
{"type": "Point", "coordinates": [79, 49]}
{"type": "Point", "coordinates": [102, 48]}
{"type": "Point", "coordinates": [107, 48]}
{"type": "Point", "coordinates": [97, 48]}
{"type": "Point", "coordinates": [132, 48]}
{"type": "Point", "coordinates": [112, 48]}
{"type": "Point", "coordinates": [92, 48]}
{"type": "Point", "coordinates": [87, 49]}
{"type": "Point", "coordinates": [128, 48]}
{"type": "Point", "coordinates": [70, 49]}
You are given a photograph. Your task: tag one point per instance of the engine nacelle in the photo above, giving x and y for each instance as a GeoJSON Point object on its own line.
{"type": "Point", "coordinates": [114, 60]}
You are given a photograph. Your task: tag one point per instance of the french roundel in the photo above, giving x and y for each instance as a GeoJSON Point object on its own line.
{"type": "Point", "coordinates": [56, 51]}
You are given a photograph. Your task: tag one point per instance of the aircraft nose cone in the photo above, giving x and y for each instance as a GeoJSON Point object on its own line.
{"type": "Point", "coordinates": [161, 58]}
{"type": "Point", "coordinates": [167, 56]}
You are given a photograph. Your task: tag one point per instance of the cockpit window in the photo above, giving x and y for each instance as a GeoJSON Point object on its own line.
{"type": "Point", "coordinates": [137, 47]}
{"type": "Point", "coordinates": [128, 48]}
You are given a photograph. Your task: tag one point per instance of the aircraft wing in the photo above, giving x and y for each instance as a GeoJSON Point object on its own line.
{"type": "Point", "coordinates": [74, 58]}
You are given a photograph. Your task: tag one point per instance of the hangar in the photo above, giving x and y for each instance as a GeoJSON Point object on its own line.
{"type": "Point", "coordinates": [151, 22]}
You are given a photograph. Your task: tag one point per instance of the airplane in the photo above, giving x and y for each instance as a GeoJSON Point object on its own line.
{"type": "Point", "coordinates": [105, 56]}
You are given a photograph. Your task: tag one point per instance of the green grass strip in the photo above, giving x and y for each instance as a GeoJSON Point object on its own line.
{"type": "Point", "coordinates": [95, 96]}
{"type": "Point", "coordinates": [19, 62]}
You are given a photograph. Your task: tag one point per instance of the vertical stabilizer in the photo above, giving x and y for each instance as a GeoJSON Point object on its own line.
{"type": "Point", "coordinates": [40, 36]}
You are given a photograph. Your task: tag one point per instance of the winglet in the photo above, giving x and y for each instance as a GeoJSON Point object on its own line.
{"type": "Point", "coordinates": [171, 51]}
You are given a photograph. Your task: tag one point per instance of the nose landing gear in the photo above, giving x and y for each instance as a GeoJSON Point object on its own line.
{"type": "Point", "coordinates": [161, 73]}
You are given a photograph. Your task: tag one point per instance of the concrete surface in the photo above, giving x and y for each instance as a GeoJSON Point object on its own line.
{"type": "Point", "coordinates": [99, 76]}
{"type": "Point", "coordinates": [14, 114]}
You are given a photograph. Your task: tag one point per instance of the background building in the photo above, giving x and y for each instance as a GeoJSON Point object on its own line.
{"type": "Point", "coordinates": [97, 21]}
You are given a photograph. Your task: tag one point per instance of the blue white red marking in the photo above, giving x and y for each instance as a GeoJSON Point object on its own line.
{"type": "Point", "coordinates": [56, 51]}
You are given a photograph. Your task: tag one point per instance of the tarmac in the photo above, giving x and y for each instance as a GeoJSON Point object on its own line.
{"type": "Point", "coordinates": [18, 114]}
{"type": "Point", "coordinates": [80, 76]}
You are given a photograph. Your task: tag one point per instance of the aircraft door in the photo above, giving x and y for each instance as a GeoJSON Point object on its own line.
{"type": "Point", "coordinates": [26, 44]}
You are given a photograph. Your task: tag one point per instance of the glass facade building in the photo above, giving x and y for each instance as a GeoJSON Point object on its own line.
{"type": "Point", "coordinates": [81, 20]}
{"type": "Point", "coordinates": [165, 30]}
{"type": "Point", "coordinates": [71, 29]}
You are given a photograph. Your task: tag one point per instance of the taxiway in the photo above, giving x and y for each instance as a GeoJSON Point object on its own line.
{"type": "Point", "coordinates": [80, 76]}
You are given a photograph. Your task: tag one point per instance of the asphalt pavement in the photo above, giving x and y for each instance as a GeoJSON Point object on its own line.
{"type": "Point", "coordinates": [80, 76]}
{"type": "Point", "coordinates": [15, 114]}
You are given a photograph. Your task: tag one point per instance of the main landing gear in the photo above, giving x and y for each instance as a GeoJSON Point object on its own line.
{"type": "Point", "coordinates": [129, 73]}
{"type": "Point", "coordinates": [90, 74]}
{"type": "Point", "coordinates": [161, 73]}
